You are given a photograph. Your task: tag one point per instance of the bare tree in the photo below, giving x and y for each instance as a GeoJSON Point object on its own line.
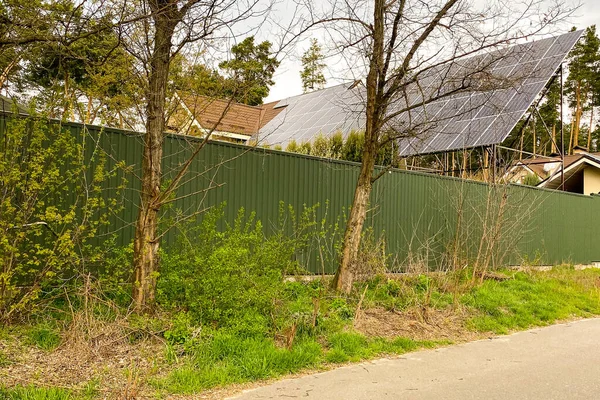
{"type": "Point", "coordinates": [170, 26]}
{"type": "Point", "coordinates": [404, 47]}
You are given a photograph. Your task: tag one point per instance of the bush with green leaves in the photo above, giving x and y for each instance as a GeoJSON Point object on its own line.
{"type": "Point", "coordinates": [51, 207]}
{"type": "Point", "coordinates": [228, 278]}
{"type": "Point", "coordinates": [531, 180]}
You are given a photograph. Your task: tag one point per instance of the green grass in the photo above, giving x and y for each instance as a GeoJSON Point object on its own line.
{"type": "Point", "coordinates": [228, 359]}
{"type": "Point", "coordinates": [35, 393]}
{"type": "Point", "coordinates": [524, 301]}
{"type": "Point", "coordinates": [43, 336]}
{"type": "Point", "coordinates": [352, 346]}
{"type": "Point", "coordinates": [534, 299]}
{"type": "Point", "coordinates": [200, 356]}
{"type": "Point", "coordinates": [89, 392]}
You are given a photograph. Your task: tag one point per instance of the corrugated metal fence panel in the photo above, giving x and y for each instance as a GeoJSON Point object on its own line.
{"type": "Point", "coordinates": [420, 216]}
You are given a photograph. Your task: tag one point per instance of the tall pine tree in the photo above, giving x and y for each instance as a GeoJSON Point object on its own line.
{"type": "Point", "coordinates": [583, 83]}
{"type": "Point", "coordinates": [312, 72]}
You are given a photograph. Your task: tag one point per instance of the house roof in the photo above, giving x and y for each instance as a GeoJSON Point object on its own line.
{"type": "Point", "coordinates": [228, 116]}
{"type": "Point", "coordinates": [326, 111]}
{"type": "Point", "coordinates": [539, 166]}
{"type": "Point", "coordinates": [576, 163]}
{"type": "Point", "coordinates": [270, 112]}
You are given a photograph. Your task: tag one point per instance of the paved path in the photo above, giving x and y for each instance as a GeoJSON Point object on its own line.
{"type": "Point", "coordinates": [556, 362]}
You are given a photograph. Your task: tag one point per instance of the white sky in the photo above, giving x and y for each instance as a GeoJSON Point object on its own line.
{"type": "Point", "coordinates": [287, 77]}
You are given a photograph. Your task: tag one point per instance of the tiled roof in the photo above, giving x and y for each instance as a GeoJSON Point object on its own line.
{"type": "Point", "coordinates": [229, 116]}
{"type": "Point", "coordinates": [270, 112]}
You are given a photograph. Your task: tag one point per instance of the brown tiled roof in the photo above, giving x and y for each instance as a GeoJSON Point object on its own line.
{"type": "Point", "coordinates": [229, 116]}
{"type": "Point", "coordinates": [270, 112]}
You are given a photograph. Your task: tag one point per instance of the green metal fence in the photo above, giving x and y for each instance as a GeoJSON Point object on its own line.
{"type": "Point", "coordinates": [424, 219]}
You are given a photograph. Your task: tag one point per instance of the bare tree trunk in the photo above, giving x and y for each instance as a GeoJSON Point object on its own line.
{"type": "Point", "coordinates": [146, 240]}
{"type": "Point", "coordinates": [554, 148]}
{"type": "Point", "coordinates": [577, 116]}
{"type": "Point", "coordinates": [534, 140]}
{"type": "Point", "coordinates": [486, 165]}
{"type": "Point", "coordinates": [589, 138]}
{"type": "Point", "coordinates": [7, 70]}
{"type": "Point", "coordinates": [375, 108]}
{"type": "Point", "coordinates": [570, 148]}
{"type": "Point", "coordinates": [358, 213]}
{"type": "Point", "coordinates": [521, 145]}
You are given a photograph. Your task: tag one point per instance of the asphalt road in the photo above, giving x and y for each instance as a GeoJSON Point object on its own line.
{"type": "Point", "coordinates": [556, 362]}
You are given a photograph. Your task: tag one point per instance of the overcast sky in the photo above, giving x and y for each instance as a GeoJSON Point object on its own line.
{"type": "Point", "coordinates": [287, 78]}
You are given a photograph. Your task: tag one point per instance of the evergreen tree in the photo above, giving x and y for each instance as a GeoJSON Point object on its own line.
{"type": "Point", "coordinates": [353, 147]}
{"type": "Point", "coordinates": [312, 72]}
{"type": "Point", "coordinates": [583, 82]}
{"type": "Point", "coordinates": [92, 75]}
{"type": "Point", "coordinates": [250, 71]}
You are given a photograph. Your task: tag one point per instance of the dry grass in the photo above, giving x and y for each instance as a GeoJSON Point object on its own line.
{"type": "Point", "coordinates": [417, 324]}
{"type": "Point", "coordinates": [103, 355]}
{"type": "Point", "coordinates": [95, 347]}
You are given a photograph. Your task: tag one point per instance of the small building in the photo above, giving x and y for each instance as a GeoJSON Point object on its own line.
{"type": "Point", "coordinates": [581, 172]}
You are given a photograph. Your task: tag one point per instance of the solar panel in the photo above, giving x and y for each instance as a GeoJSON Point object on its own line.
{"type": "Point", "coordinates": [502, 85]}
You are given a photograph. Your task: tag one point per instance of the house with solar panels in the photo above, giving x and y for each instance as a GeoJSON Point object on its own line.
{"type": "Point", "coordinates": [502, 86]}
{"type": "Point", "coordinates": [458, 106]}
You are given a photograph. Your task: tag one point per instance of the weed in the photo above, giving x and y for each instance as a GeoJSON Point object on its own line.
{"type": "Point", "coordinates": [340, 307]}
{"type": "Point", "coordinates": [43, 336]}
{"type": "Point", "coordinates": [90, 390]}
{"type": "Point", "coordinates": [4, 360]}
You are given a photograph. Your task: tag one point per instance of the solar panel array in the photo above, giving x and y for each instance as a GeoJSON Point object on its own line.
{"type": "Point", "coordinates": [509, 82]}
{"type": "Point", "coordinates": [467, 103]}
{"type": "Point", "coordinates": [326, 111]}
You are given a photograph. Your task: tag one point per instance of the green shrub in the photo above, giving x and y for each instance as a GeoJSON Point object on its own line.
{"type": "Point", "coordinates": [230, 278]}
{"type": "Point", "coordinates": [51, 207]}
{"type": "Point", "coordinates": [181, 330]}
{"type": "Point", "coordinates": [531, 180]}
{"type": "Point", "coordinates": [353, 147]}
{"type": "Point", "coordinates": [340, 307]}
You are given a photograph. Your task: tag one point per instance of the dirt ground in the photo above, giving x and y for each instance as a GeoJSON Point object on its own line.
{"type": "Point", "coordinates": [114, 367]}
{"type": "Point", "coordinates": [418, 324]}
